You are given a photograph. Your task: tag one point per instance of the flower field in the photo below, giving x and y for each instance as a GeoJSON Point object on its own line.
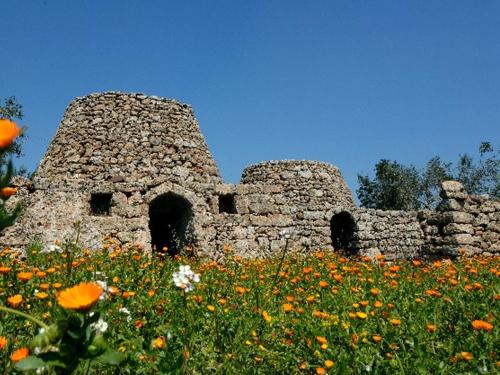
{"type": "Point", "coordinates": [317, 314]}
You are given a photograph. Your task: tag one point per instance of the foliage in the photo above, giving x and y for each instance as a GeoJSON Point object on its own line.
{"type": "Point", "coordinates": [399, 187]}
{"type": "Point", "coordinates": [395, 187]}
{"type": "Point", "coordinates": [320, 313]}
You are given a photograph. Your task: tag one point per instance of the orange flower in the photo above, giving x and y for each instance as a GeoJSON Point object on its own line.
{"type": "Point", "coordinates": [361, 315]}
{"type": "Point", "coordinates": [377, 338]}
{"type": "Point", "coordinates": [481, 325]}
{"type": "Point", "coordinates": [466, 356]}
{"type": "Point", "coordinates": [15, 301]}
{"type": "Point", "coordinates": [266, 316]}
{"type": "Point", "coordinates": [329, 363]}
{"type": "Point", "coordinates": [159, 343]}
{"type": "Point", "coordinates": [323, 284]}
{"type": "Point", "coordinates": [211, 308]}
{"type": "Point", "coordinates": [320, 371]}
{"type": "Point", "coordinates": [240, 290]}
{"type": "Point", "coordinates": [431, 328]}
{"type": "Point", "coordinates": [395, 322]}
{"type": "Point", "coordinates": [19, 354]}
{"type": "Point", "coordinates": [44, 286]}
{"type": "Point", "coordinates": [8, 192]}
{"type": "Point", "coordinates": [287, 307]}
{"type": "Point", "coordinates": [41, 295]}
{"type": "Point", "coordinates": [24, 276]}
{"type": "Point", "coordinates": [5, 270]}
{"type": "Point", "coordinates": [374, 291]}
{"type": "Point", "coordinates": [378, 304]}
{"type": "Point", "coordinates": [8, 132]}
{"type": "Point", "coordinates": [81, 297]}
{"type": "Point", "coordinates": [321, 340]}
{"type": "Point", "coordinates": [3, 342]}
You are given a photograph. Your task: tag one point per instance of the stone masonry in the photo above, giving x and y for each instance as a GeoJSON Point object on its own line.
{"type": "Point", "coordinates": [137, 169]}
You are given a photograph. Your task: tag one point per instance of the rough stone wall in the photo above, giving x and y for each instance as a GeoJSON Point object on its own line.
{"type": "Point", "coordinates": [461, 224]}
{"type": "Point", "coordinates": [309, 188]}
{"type": "Point", "coordinates": [395, 234]}
{"type": "Point", "coordinates": [133, 137]}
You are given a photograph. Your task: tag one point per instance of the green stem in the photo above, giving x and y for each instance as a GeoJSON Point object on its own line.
{"type": "Point", "coordinates": [24, 315]}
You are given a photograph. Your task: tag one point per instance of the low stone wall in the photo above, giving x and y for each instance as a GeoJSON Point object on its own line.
{"type": "Point", "coordinates": [395, 234]}
{"type": "Point", "coordinates": [461, 224]}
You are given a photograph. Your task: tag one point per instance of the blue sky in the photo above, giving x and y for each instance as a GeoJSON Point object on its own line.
{"type": "Point", "coordinates": [346, 82]}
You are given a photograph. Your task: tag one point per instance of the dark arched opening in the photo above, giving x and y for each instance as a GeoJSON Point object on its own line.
{"type": "Point", "coordinates": [343, 231]}
{"type": "Point", "coordinates": [170, 223]}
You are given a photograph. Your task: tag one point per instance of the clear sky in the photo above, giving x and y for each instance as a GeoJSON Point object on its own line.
{"type": "Point", "coordinates": [346, 82]}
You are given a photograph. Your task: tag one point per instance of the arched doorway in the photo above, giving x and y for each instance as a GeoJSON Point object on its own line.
{"type": "Point", "coordinates": [170, 223]}
{"type": "Point", "coordinates": [343, 232]}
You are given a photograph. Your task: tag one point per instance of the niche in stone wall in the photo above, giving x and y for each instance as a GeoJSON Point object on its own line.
{"type": "Point", "coordinates": [343, 232]}
{"type": "Point", "coordinates": [227, 204]}
{"type": "Point", "coordinates": [100, 204]}
{"type": "Point", "coordinates": [170, 223]}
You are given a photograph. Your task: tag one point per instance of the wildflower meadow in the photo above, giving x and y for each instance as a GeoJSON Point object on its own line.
{"type": "Point", "coordinates": [124, 311]}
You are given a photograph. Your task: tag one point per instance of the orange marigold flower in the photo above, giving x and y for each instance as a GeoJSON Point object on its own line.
{"type": "Point", "coordinates": [320, 371]}
{"type": "Point", "coordinates": [81, 297]}
{"type": "Point", "coordinates": [329, 364]}
{"type": "Point", "coordinates": [323, 284]}
{"type": "Point", "coordinates": [361, 315]}
{"type": "Point", "coordinates": [24, 276]}
{"type": "Point", "coordinates": [287, 307]}
{"type": "Point", "coordinates": [211, 308]}
{"type": "Point", "coordinates": [466, 356]}
{"type": "Point", "coordinates": [431, 328]}
{"type": "Point", "coordinates": [266, 316]}
{"type": "Point", "coordinates": [321, 340]}
{"type": "Point", "coordinates": [378, 304]}
{"type": "Point", "coordinates": [5, 270]}
{"type": "Point", "coordinates": [481, 325]}
{"type": "Point", "coordinates": [416, 263]}
{"type": "Point", "coordinates": [8, 132]}
{"type": "Point", "coordinates": [433, 293]}
{"type": "Point", "coordinates": [307, 270]}
{"type": "Point", "coordinates": [377, 338]}
{"type": "Point", "coordinates": [57, 285]}
{"type": "Point", "coordinates": [3, 342]}
{"type": "Point", "coordinates": [19, 354]}
{"type": "Point", "coordinates": [159, 343]}
{"type": "Point", "coordinates": [8, 192]}
{"type": "Point", "coordinates": [395, 322]}
{"type": "Point", "coordinates": [240, 290]}
{"type": "Point", "coordinates": [15, 301]}
{"type": "Point", "coordinates": [374, 291]}
{"type": "Point", "coordinates": [41, 295]}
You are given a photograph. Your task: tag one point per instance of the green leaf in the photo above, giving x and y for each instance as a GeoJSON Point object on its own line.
{"type": "Point", "coordinates": [110, 357]}
{"type": "Point", "coordinates": [30, 363]}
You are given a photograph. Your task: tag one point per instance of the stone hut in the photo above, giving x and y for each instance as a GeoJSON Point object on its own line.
{"type": "Point", "coordinates": [137, 169]}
